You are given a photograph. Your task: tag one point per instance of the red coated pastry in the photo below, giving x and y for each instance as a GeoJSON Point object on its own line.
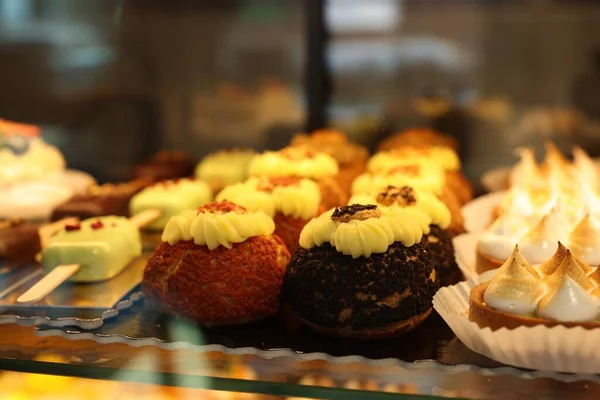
{"type": "Point", "coordinates": [220, 266]}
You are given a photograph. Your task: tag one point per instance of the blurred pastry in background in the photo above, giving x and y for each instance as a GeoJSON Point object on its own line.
{"type": "Point", "coordinates": [165, 165]}
{"type": "Point", "coordinates": [418, 137]}
{"type": "Point", "coordinates": [442, 156]}
{"type": "Point", "coordinates": [290, 201]}
{"type": "Point", "coordinates": [363, 272]}
{"type": "Point", "coordinates": [351, 157]}
{"type": "Point", "coordinates": [424, 176]}
{"type": "Point", "coordinates": [302, 162]}
{"type": "Point", "coordinates": [224, 167]}
{"type": "Point", "coordinates": [170, 198]}
{"type": "Point", "coordinates": [34, 178]}
{"type": "Point", "coordinates": [100, 200]}
{"type": "Point", "coordinates": [219, 265]}
{"type": "Point", "coordinates": [19, 241]}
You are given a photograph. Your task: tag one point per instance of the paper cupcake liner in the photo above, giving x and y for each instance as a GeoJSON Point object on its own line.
{"type": "Point", "coordinates": [478, 213]}
{"type": "Point", "coordinates": [465, 246]}
{"type": "Point", "coordinates": [559, 349]}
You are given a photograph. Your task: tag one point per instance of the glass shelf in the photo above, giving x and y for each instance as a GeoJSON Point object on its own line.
{"type": "Point", "coordinates": [278, 373]}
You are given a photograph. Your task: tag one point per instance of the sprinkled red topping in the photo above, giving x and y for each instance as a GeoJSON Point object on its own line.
{"type": "Point", "coordinates": [97, 225]}
{"type": "Point", "coordinates": [74, 227]}
{"type": "Point", "coordinates": [222, 207]}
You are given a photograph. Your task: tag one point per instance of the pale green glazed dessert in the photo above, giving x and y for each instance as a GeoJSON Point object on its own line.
{"type": "Point", "coordinates": [102, 246]}
{"type": "Point", "coordinates": [170, 198]}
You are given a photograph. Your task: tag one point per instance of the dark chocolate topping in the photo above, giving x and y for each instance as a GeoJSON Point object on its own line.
{"type": "Point", "coordinates": [404, 196]}
{"type": "Point", "coordinates": [347, 212]}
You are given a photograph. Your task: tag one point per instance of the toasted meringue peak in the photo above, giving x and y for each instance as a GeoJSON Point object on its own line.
{"type": "Point", "coordinates": [584, 164]}
{"type": "Point", "coordinates": [515, 288]}
{"type": "Point", "coordinates": [527, 169]}
{"type": "Point", "coordinates": [571, 268]}
{"type": "Point", "coordinates": [550, 266]}
{"type": "Point", "coordinates": [569, 302]}
{"type": "Point", "coordinates": [595, 276]}
{"type": "Point", "coordinates": [540, 243]}
{"type": "Point", "coordinates": [596, 293]}
{"type": "Point", "coordinates": [585, 237]}
{"type": "Point", "coordinates": [554, 157]}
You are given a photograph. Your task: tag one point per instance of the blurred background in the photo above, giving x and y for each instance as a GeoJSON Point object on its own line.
{"type": "Point", "coordinates": [112, 81]}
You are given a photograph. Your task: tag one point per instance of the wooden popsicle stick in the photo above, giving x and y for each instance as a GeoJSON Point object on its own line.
{"type": "Point", "coordinates": [21, 282]}
{"type": "Point", "coordinates": [60, 274]}
{"type": "Point", "coordinates": [145, 217]}
{"type": "Point", "coordinates": [48, 283]}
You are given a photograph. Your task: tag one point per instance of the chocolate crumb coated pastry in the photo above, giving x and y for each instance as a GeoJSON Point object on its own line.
{"type": "Point", "coordinates": [291, 202]}
{"type": "Point", "coordinates": [436, 237]}
{"type": "Point", "coordinates": [19, 241]}
{"type": "Point", "coordinates": [351, 157]}
{"type": "Point", "coordinates": [302, 162]}
{"type": "Point", "coordinates": [220, 265]}
{"type": "Point", "coordinates": [562, 291]}
{"type": "Point", "coordinates": [107, 199]}
{"type": "Point", "coordinates": [444, 157]}
{"type": "Point", "coordinates": [165, 165]}
{"type": "Point", "coordinates": [362, 271]}
{"type": "Point", "coordinates": [419, 137]}
{"type": "Point", "coordinates": [224, 168]}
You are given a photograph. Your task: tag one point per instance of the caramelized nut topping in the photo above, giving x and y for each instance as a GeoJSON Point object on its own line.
{"type": "Point", "coordinates": [222, 207]}
{"type": "Point", "coordinates": [358, 212]}
{"type": "Point", "coordinates": [404, 196]}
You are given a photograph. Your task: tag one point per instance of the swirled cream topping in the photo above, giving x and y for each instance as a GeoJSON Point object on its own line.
{"type": "Point", "coordinates": [429, 178]}
{"type": "Point", "coordinates": [217, 224]}
{"type": "Point", "coordinates": [565, 290]}
{"type": "Point", "coordinates": [361, 230]}
{"type": "Point", "coordinates": [225, 167]}
{"type": "Point", "coordinates": [442, 156]}
{"type": "Point", "coordinates": [516, 288]}
{"type": "Point", "coordinates": [294, 197]}
{"type": "Point", "coordinates": [298, 161]}
{"type": "Point", "coordinates": [408, 198]}
{"type": "Point", "coordinates": [39, 160]}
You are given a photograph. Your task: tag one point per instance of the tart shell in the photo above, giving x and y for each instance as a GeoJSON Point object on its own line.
{"type": "Point", "coordinates": [484, 263]}
{"type": "Point", "coordinates": [487, 317]}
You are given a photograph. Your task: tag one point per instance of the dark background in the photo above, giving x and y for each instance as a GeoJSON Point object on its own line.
{"type": "Point", "coordinates": [111, 81]}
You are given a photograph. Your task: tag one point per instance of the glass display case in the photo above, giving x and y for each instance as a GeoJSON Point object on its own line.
{"type": "Point", "coordinates": [118, 99]}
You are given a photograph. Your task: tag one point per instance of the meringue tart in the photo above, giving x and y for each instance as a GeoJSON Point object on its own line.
{"type": "Point", "coordinates": [562, 291]}
{"type": "Point", "coordinates": [537, 237]}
